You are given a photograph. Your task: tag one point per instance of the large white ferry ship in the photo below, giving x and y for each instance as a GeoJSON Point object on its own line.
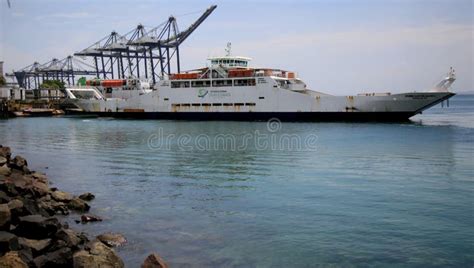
{"type": "Point", "coordinates": [229, 89]}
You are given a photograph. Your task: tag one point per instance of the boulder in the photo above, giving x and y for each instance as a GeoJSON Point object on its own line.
{"type": "Point", "coordinates": [5, 217]}
{"type": "Point", "coordinates": [8, 242]}
{"type": "Point", "coordinates": [5, 152]}
{"type": "Point", "coordinates": [17, 209]}
{"type": "Point", "coordinates": [90, 218]}
{"type": "Point", "coordinates": [12, 260]}
{"type": "Point", "coordinates": [78, 205]}
{"type": "Point", "coordinates": [61, 196]}
{"type": "Point", "coordinates": [26, 170]}
{"type": "Point", "coordinates": [71, 238]}
{"type": "Point", "coordinates": [5, 171]}
{"type": "Point", "coordinates": [59, 258]}
{"type": "Point", "coordinates": [15, 204]}
{"type": "Point", "coordinates": [154, 261]}
{"type": "Point", "coordinates": [52, 207]}
{"type": "Point", "coordinates": [3, 160]}
{"type": "Point", "coordinates": [37, 227]}
{"type": "Point", "coordinates": [99, 255]}
{"type": "Point", "coordinates": [39, 188]}
{"type": "Point", "coordinates": [40, 177]}
{"type": "Point", "coordinates": [4, 198]}
{"type": "Point", "coordinates": [8, 187]}
{"type": "Point", "coordinates": [87, 196]}
{"type": "Point", "coordinates": [112, 239]}
{"type": "Point", "coordinates": [31, 207]}
{"type": "Point", "coordinates": [36, 246]}
{"type": "Point", "coordinates": [18, 162]}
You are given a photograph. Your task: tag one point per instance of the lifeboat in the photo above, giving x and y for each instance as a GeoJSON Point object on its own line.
{"type": "Point", "coordinates": [182, 76]}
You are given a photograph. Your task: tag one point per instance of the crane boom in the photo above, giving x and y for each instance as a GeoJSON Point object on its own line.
{"type": "Point", "coordinates": [180, 37]}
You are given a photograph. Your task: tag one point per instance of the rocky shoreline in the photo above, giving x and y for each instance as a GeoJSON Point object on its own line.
{"type": "Point", "coordinates": [32, 236]}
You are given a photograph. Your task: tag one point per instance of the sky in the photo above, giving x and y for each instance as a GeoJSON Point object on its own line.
{"type": "Point", "coordinates": [339, 47]}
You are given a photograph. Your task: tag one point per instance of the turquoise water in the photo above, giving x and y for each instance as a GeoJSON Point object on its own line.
{"type": "Point", "coordinates": [345, 195]}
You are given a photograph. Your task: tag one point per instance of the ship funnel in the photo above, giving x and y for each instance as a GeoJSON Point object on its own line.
{"type": "Point", "coordinates": [446, 83]}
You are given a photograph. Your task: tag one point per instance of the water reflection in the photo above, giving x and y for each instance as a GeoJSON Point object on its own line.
{"type": "Point", "coordinates": [370, 194]}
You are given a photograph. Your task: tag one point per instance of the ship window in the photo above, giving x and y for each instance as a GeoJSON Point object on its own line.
{"type": "Point", "coordinates": [228, 104]}
{"type": "Point", "coordinates": [238, 104]}
{"type": "Point", "coordinates": [244, 82]}
{"type": "Point", "coordinates": [166, 99]}
{"type": "Point", "coordinates": [201, 83]}
{"type": "Point", "coordinates": [186, 104]}
{"type": "Point", "coordinates": [176, 105]}
{"type": "Point", "coordinates": [250, 104]}
{"type": "Point", "coordinates": [179, 84]}
{"type": "Point", "coordinates": [196, 104]}
{"type": "Point", "coordinates": [261, 98]}
{"type": "Point", "coordinates": [217, 104]}
{"type": "Point", "coordinates": [206, 104]}
{"type": "Point", "coordinates": [221, 83]}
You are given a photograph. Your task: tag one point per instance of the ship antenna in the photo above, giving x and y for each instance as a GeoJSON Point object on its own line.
{"type": "Point", "coordinates": [228, 49]}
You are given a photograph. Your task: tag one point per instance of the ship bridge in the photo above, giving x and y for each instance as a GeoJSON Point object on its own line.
{"type": "Point", "coordinates": [230, 61]}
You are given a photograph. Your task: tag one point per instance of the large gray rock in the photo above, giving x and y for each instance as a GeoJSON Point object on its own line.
{"type": "Point", "coordinates": [31, 207]}
{"type": "Point", "coordinates": [40, 177]}
{"type": "Point", "coordinates": [5, 171]}
{"type": "Point", "coordinates": [17, 209]}
{"type": "Point", "coordinates": [71, 238]}
{"type": "Point", "coordinates": [52, 207]}
{"type": "Point", "coordinates": [12, 260]}
{"type": "Point", "coordinates": [99, 255]}
{"type": "Point", "coordinates": [112, 239]}
{"type": "Point", "coordinates": [87, 196]}
{"type": "Point", "coordinates": [59, 258]}
{"type": "Point", "coordinates": [4, 198]}
{"type": "Point", "coordinates": [78, 204]}
{"type": "Point", "coordinates": [8, 242]}
{"type": "Point", "coordinates": [3, 160]}
{"type": "Point", "coordinates": [5, 152]}
{"type": "Point", "coordinates": [37, 227]}
{"type": "Point", "coordinates": [18, 162]}
{"type": "Point", "coordinates": [61, 196]}
{"type": "Point", "coordinates": [37, 246]}
{"type": "Point", "coordinates": [15, 204]}
{"type": "Point", "coordinates": [5, 217]}
{"type": "Point", "coordinates": [154, 261]}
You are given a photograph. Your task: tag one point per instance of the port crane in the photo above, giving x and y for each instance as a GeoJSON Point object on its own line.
{"type": "Point", "coordinates": [151, 54]}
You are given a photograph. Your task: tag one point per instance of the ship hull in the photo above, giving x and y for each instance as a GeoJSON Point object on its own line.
{"type": "Point", "coordinates": [263, 116]}
{"type": "Point", "coordinates": [259, 101]}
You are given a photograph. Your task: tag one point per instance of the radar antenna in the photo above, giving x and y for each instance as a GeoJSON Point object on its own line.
{"type": "Point", "coordinates": [228, 49]}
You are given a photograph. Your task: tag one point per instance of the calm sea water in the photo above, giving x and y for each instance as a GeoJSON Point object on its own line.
{"type": "Point", "coordinates": [360, 195]}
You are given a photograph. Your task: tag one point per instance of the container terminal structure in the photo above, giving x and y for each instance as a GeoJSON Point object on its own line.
{"type": "Point", "coordinates": [141, 53]}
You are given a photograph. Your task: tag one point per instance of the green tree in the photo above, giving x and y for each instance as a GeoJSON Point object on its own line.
{"type": "Point", "coordinates": [2, 80]}
{"type": "Point", "coordinates": [52, 84]}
